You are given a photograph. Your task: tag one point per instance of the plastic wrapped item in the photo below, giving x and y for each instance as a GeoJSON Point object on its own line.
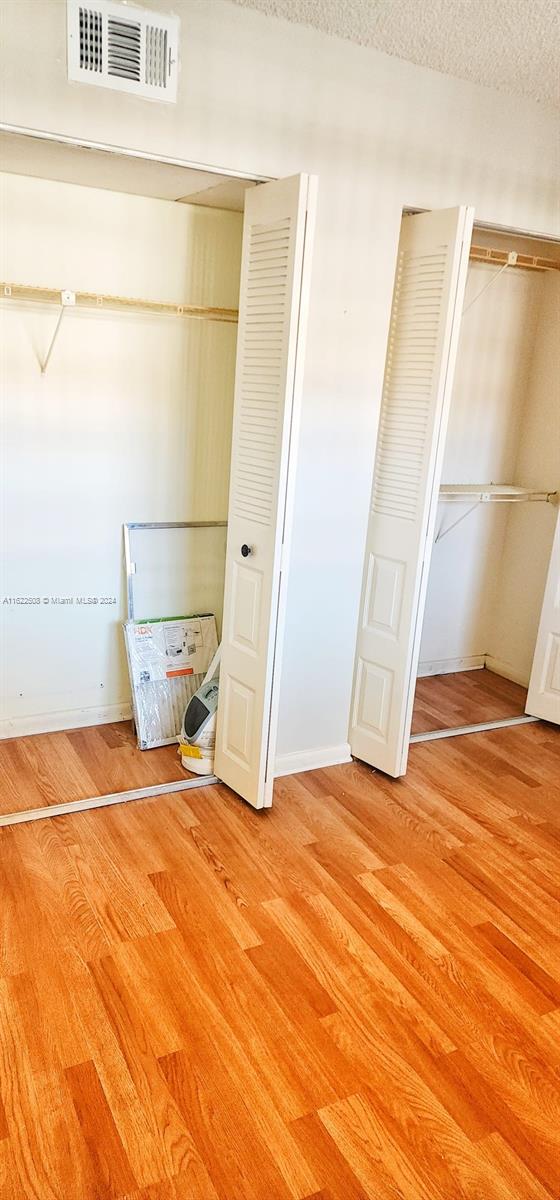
{"type": "Point", "coordinates": [167, 662]}
{"type": "Point", "coordinates": [197, 738]}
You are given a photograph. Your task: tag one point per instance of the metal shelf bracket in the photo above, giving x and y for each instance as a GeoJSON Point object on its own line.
{"type": "Point", "coordinates": [67, 300]}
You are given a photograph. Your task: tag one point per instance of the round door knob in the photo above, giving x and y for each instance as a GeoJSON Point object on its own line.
{"type": "Point", "coordinates": [246, 550]}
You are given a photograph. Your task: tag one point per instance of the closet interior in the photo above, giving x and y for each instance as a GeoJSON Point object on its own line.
{"type": "Point", "coordinates": [498, 499]}
{"type": "Point", "coordinates": [119, 311]}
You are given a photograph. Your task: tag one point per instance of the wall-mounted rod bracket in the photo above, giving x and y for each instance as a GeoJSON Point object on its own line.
{"type": "Point", "coordinates": [67, 300]}
{"type": "Point", "coordinates": [443, 532]}
{"type": "Point", "coordinates": [511, 261]}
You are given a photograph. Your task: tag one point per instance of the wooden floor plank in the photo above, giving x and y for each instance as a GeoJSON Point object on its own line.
{"type": "Point", "coordinates": [360, 1136]}
{"type": "Point", "coordinates": [48, 768]}
{"type": "Point", "coordinates": [352, 996]}
{"type": "Point", "coordinates": [465, 698]}
{"type": "Point", "coordinates": [112, 1169]}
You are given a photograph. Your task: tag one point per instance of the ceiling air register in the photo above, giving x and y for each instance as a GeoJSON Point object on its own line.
{"type": "Point", "coordinates": [125, 48]}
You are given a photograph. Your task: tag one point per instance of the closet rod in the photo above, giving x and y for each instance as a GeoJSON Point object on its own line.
{"type": "Point", "coordinates": [529, 262]}
{"type": "Point", "coordinates": [24, 291]}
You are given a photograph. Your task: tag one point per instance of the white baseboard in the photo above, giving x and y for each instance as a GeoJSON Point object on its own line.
{"type": "Point", "coordinates": [448, 666]}
{"type": "Point", "coordinates": [472, 662]}
{"type": "Point", "coordinates": [73, 718]}
{"type": "Point", "coordinates": [312, 760]}
{"type": "Point", "coordinates": [506, 670]}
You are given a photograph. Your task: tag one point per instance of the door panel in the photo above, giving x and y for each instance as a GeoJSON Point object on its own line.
{"type": "Point", "coordinates": [543, 699]}
{"type": "Point", "coordinates": [427, 302]}
{"type": "Point", "coordinates": [273, 300]}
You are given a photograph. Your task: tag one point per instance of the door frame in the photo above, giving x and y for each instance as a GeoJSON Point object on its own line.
{"type": "Point", "coordinates": [62, 139]}
{"type": "Point", "coordinates": [159, 789]}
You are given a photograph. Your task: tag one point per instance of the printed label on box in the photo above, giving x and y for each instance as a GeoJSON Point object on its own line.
{"type": "Point", "coordinates": [167, 649]}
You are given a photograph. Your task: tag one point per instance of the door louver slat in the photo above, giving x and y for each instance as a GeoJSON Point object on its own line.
{"type": "Point", "coordinates": [263, 361]}
{"type": "Point", "coordinates": [410, 325]}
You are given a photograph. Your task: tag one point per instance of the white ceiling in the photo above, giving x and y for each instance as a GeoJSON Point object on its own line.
{"type": "Point", "coordinates": [511, 45]}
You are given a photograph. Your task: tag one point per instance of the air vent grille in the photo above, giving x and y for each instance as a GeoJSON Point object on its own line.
{"type": "Point", "coordinates": [91, 43]}
{"type": "Point", "coordinates": [156, 56]}
{"type": "Point", "coordinates": [124, 48]}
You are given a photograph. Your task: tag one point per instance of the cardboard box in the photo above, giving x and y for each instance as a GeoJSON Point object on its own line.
{"type": "Point", "coordinates": [167, 661]}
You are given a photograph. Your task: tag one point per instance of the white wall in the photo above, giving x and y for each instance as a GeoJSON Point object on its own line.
{"type": "Point", "coordinates": [263, 96]}
{"type": "Point", "coordinates": [489, 398]}
{"type": "Point", "coordinates": [521, 579]}
{"type": "Point", "coordinates": [131, 422]}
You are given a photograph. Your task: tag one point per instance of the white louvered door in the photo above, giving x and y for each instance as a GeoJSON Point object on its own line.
{"type": "Point", "coordinates": [275, 269]}
{"type": "Point", "coordinates": [427, 303]}
{"type": "Point", "coordinates": [543, 699]}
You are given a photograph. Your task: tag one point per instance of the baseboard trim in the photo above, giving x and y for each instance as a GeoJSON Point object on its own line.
{"type": "Point", "coordinates": [505, 669]}
{"type": "Point", "coordinates": [312, 760]}
{"type": "Point", "coordinates": [73, 718]}
{"type": "Point", "coordinates": [448, 666]}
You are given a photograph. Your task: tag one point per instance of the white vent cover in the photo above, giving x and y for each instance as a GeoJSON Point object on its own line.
{"type": "Point", "coordinates": [122, 47]}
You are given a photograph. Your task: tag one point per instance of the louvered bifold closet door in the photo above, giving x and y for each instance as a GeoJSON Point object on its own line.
{"type": "Point", "coordinates": [427, 302]}
{"type": "Point", "coordinates": [273, 296]}
{"type": "Point", "coordinates": [543, 699]}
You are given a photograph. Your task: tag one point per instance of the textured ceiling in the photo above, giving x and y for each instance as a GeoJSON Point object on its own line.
{"type": "Point", "coordinates": [511, 45]}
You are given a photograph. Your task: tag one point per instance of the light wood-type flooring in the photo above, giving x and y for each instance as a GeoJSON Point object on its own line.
{"type": "Point", "coordinates": [77, 764]}
{"type": "Point", "coordinates": [74, 764]}
{"type": "Point", "coordinates": [465, 698]}
{"type": "Point", "coordinates": [353, 995]}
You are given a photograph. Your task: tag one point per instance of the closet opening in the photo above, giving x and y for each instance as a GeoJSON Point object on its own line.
{"type": "Point", "coordinates": [459, 626]}
{"type": "Point", "coordinates": [497, 507]}
{"type": "Point", "coordinates": [153, 337]}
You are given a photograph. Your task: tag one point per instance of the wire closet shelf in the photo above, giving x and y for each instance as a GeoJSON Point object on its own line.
{"type": "Point", "coordinates": [475, 494]}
